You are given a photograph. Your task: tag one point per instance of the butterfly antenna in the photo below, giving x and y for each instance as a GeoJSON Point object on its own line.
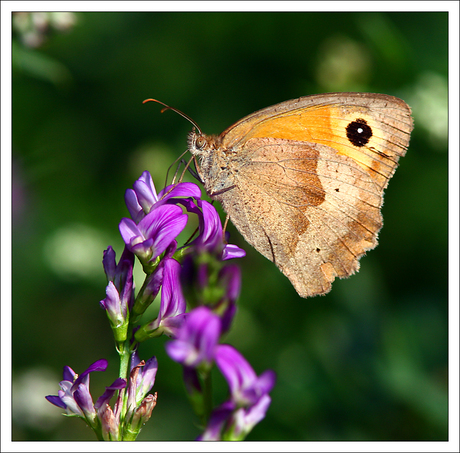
{"type": "Point", "coordinates": [195, 125]}
{"type": "Point", "coordinates": [167, 107]}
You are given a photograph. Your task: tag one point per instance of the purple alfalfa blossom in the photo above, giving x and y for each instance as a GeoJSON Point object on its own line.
{"type": "Point", "coordinates": [245, 418]}
{"type": "Point", "coordinates": [249, 399]}
{"type": "Point", "coordinates": [218, 421]}
{"type": "Point", "coordinates": [117, 312]}
{"type": "Point", "coordinates": [227, 422]}
{"type": "Point", "coordinates": [143, 200]}
{"type": "Point", "coordinates": [110, 419]}
{"type": "Point", "coordinates": [194, 348]}
{"type": "Point", "coordinates": [120, 274]}
{"type": "Point", "coordinates": [75, 396]}
{"type": "Point", "coordinates": [203, 276]}
{"type": "Point", "coordinates": [140, 404]}
{"type": "Point", "coordinates": [151, 235]}
{"type": "Point", "coordinates": [154, 233]}
{"type": "Point", "coordinates": [246, 388]}
{"type": "Point", "coordinates": [232, 251]}
{"type": "Point", "coordinates": [119, 292]}
{"type": "Point", "coordinates": [152, 285]}
{"type": "Point", "coordinates": [172, 305]}
{"type": "Point", "coordinates": [230, 281]}
{"type": "Point", "coordinates": [211, 237]}
{"type": "Point", "coordinates": [143, 197]}
{"type": "Point", "coordinates": [145, 378]}
{"type": "Point", "coordinates": [211, 233]}
{"type": "Point", "coordinates": [197, 339]}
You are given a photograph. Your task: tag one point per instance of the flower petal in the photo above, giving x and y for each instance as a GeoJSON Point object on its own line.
{"type": "Point", "coordinates": [181, 351]}
{"type": "Point", "coordinates": [163, 225]}
{"type": "Point", "coordinates": [246, 388]}
{"type": "Point", "coordinates": [98, 365]}
{"type": "Point", "coordinates": [235, 368]}
{"type": "Point", "coordinates": [118, 384]}
{"type": "Point", "coordinates": [108, 262]}
{"type": "Point", "coordinates": [129, 231]}
{"type": "Point", "coordinates": [197, 338]}
{"type": "Point", "coordinates": [132, 203]}
{"type": "Point", "coordinates": [69, 374]}
{"type": "Point", "coordinates": [146, 192]}
{"type": "Point", "coordinates": [112, 301]}
{"type": "Point", "coordinates": [84, 400]}
{"type": "Point", "coordinates": [54, 399]}
{"type": "Point", "coordinates": [217, 421]}
{"type": "Point", "coordinates": [172, 299]}
{"type": "Point", "coordinates": [146, 378]}
{"type": "Point", "coordinates": [232, 251]}
{"type": "Point", "coordinates": [181, 190]}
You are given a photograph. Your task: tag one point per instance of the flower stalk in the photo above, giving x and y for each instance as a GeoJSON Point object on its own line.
{"type": "Point", "coordinates": [197, 275]}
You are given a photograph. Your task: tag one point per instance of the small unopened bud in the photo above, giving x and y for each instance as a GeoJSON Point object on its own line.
{"type": "Point", "coordinates": [140, 416]}
{"type": "Point", "coordinates": [144, 411]}
{"type": "Point", "coordinates": [109, 424]}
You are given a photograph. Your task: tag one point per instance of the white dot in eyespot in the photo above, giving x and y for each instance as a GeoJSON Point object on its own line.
{"type": "Point", "coordinates": [360, 130]}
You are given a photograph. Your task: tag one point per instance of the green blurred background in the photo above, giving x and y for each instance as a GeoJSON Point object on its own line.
{"type": "Point", "coordinates": [366, 362]}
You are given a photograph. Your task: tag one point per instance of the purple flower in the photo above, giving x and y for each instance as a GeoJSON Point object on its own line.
{"type": "Point", "coordinates": [203, 278]}
{"type": "Point", "coordinates": [172, 306]}
{"type": "Point", "coordinates": [117, 312]}
{"type": "Point", "coordinates": [145, 378]}
{"type": "Point", "coordinates": [74, 395]}
{"type": "Point", "coordinates": [232, 251]}
{"type": "Point", "coordinates": [118, 273]}
{"type": "Point", "coordinates": [120, 291]}
{"type": "Point", "coordinates": [211, 232]}
{"type": "Point", "coordinates": [245, 387]}
{"type": "Point", "coordinates": [154, 233]}
{"type": "Point", "coordinates": [105, 398]}
{"type": "Point", "coordinates": [230, 281]}
{"type": "Point", "coordinates": [121, 275]}
{"type": "Point", "coordinates": [110, 419]}
{"type": "Point", "coordinates": [244, 419]}
{"type": "Point", "coordinates": [211, 238]}
{"type": "Point", "coordinates": [139, 404]}
{"type": "Point", "coordinates": [196, 340]}
{"type": "Point", "coordinates": [218, 421]}
{"type": "Point", "coordinates": [249, 399]}
{"type": "Point", "coordinates": [228, 423]}
{"type": "Point", "coordinates": [230, 277]}
{"type": "Point", "coordinates": [152, 285]}
{"type": "Point", "coordinates": [181, 190]}
{"type": "Point", "coordinates": [144, 198]}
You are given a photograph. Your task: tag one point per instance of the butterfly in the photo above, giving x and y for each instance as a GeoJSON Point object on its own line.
{"type": "Point", "coordinates": [303, 180]}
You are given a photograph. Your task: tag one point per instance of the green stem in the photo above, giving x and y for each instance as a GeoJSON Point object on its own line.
{"type": "Point", "coordinates": [124, 353]}
{"type": "Point", "coordinates": [124, 360]}
{"type": "Point", "coordinates": [207, 397]}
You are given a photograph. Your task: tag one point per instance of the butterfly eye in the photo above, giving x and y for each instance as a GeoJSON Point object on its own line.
{"type": "Point", "coordinates": [200, 142]}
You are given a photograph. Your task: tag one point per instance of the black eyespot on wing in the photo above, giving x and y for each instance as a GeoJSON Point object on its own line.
{"type": "Point", "coordinates": [359, 132]}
